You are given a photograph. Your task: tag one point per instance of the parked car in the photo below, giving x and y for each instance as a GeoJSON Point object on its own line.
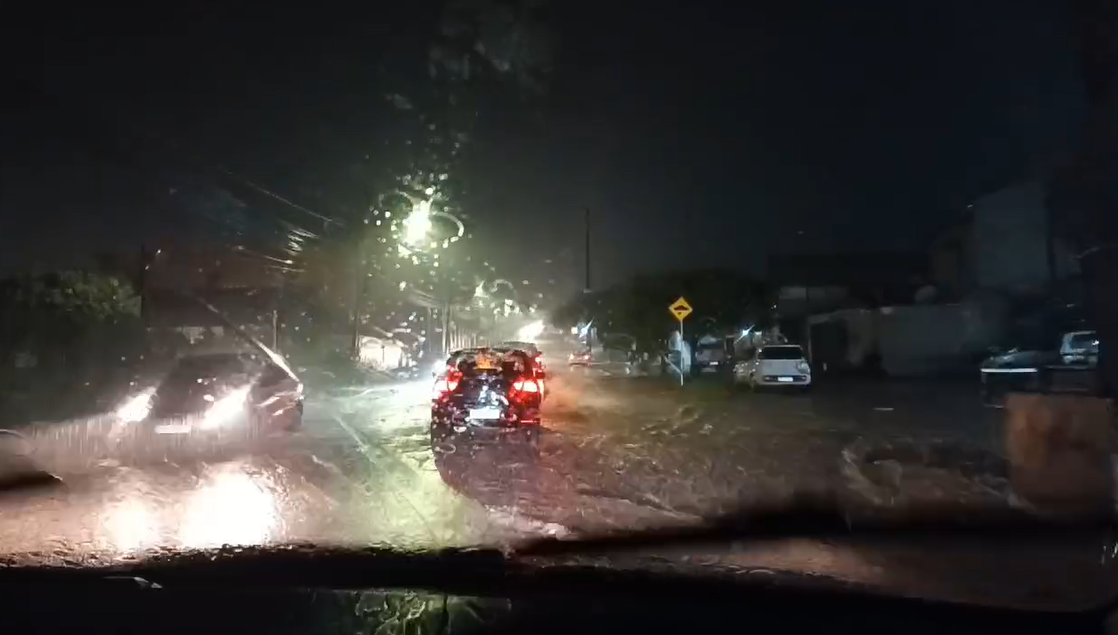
{"type": "Point", "coordinates": [711, 353]}
{"type": "Point", "coordinates": [1072, 367]}
{"type": "Point", "coordinates": [780, 365]}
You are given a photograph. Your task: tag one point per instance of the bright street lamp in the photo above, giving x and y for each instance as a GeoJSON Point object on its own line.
{"type": "Point", "coordinates": [418, 224]}
{"type": "Point", "coordinates": [417, 228]}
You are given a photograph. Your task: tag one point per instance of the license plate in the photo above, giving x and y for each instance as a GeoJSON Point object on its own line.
{"type": "Point", "coordinates": [485, 414]}
{"type": "Point", "coordinates": [176, 428]}
{"type": "Point", "coordinates": [785, 379]}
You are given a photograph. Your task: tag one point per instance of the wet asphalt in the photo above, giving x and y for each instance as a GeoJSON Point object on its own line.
{"type": "Point", "coordinates": [617, 453]}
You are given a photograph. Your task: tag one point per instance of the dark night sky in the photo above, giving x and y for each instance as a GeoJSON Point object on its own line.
{"type": "Point", "coordinates": [698, 134]}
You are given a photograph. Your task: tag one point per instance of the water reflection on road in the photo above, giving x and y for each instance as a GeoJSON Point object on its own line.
{"type": "Point", "coordinates": [364, 470]}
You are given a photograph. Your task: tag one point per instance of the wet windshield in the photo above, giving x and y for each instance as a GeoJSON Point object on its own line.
{"type": "Point", "coordinates": [197, 380]}
{"type": "Point", "coordinates": [193, 371]}
{"type": "Point", "coordinates": [761, 252]}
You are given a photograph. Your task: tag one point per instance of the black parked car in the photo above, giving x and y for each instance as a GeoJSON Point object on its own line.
{"type": "Point", "coordinates": [1073, 367]}
{"type": "Point", "coordinates": [487, 389]}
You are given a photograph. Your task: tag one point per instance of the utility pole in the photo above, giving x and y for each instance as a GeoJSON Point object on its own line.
{"type": "Point", "coordinates": [445, 296]}
{"type": "Point", "coordinates": [1095, 179]}
{"type": "Point", "coordinates": [358, 301]}
{"type": "Point", "coordinates": [429, 341]}
{"type": "Point", "coordinates": [586, 217]}
{"type": "Point", "coordinates": [446, 327]}
{"type": "Point", "coordinates": [142, 282]}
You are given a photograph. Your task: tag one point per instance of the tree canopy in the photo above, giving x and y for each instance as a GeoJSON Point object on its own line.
{"type": "Point", "coordinates": [78, 297]}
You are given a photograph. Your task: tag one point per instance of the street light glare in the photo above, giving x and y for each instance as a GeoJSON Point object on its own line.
{"type": "Point", "coordinates": [418, 224]}
{"type": "Point", "coordinates": [530, 332]}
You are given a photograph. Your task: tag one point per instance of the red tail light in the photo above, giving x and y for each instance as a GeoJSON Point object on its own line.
{"type": "Point", "coordinates": [525, 385]}
{"type": "Point", "coordinates": [444, 385]}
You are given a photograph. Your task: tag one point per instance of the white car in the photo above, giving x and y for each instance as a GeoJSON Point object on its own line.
{"type": "Point", "coordinates": [781, 365]}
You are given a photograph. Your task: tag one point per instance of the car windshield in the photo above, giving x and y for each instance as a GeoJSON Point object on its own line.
{"type": "Point", "coordinates": [193, 371]}
{"type": "Point", "coordinates": [472, 273]}
{"type": "Point", "coordinates": [1085, 342]}
{"type": "Point", "coordinates": [781, 352]}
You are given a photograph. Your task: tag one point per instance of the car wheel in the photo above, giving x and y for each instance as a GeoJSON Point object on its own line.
{"type": "Point", "coordinates": [440, 432]}
{"type": "Point", "coordinates": [294, 423]}
{"type": "Point", "coordinates": [288, 421]}
{"type": "Point", "coordinates": [532, 436]}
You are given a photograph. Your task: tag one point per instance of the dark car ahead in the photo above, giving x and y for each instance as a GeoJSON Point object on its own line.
{"type": "Point", "coordinates": [216, 394]}
{"type": "Point", "coordinates": [487, 389]}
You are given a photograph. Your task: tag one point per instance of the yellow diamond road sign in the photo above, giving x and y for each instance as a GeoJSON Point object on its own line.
{"type": "Point", "coordinates": [680, 309]}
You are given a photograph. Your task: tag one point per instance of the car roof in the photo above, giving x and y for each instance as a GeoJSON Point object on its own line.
{"type": "Point", "coordinates": [517, 344]}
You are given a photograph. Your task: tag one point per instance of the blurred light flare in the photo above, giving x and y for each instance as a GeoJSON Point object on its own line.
{"type": "Point", "coordinates": [131, 525]}
{"type": "Point", "coordinates": [418, 223]}
{"type": "Point", "coordinates": [136, 408]}
{"type": "Point", "coordinates": [231, 508]}
{"type": "Point", "coordinates": [531, 331]}
{"type": "Point", "coordinates": [226, 409]}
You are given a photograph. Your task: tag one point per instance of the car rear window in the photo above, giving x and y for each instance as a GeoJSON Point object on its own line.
{"type": "Point", "coordinates": [473, 362]}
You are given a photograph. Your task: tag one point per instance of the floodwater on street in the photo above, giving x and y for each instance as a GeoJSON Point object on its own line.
{"type": "Point", "coordinates": [617, 454]}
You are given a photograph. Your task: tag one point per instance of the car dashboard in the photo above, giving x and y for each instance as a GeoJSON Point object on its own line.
{"type": "Point", "coordinates": [129, 604]}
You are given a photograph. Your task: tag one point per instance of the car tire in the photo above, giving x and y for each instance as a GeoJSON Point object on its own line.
{"type": "Point", "coordinates": [290, 421]}
{"type": "Point", "coordinates": [440, 432]}
{"type": "Point", "coordinates": [531, 436]}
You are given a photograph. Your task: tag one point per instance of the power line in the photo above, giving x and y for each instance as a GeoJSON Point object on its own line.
{"type": "Point", "coordinates": [261, 189]}
{"type": "Point", "coordinates": [168, 145]}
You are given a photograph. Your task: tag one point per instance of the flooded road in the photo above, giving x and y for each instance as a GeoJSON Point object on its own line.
{"type": "Point", "coordinates": [616, 454]}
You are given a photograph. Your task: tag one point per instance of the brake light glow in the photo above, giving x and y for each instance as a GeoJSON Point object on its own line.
{"type": "Point", "coordinates": [445, 385]}
{"type": "Point", "coordinates": [525, 385]}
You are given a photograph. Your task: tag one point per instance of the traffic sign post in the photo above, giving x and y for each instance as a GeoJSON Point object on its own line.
{"type": "Point", "coordinates": [680, 309]}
